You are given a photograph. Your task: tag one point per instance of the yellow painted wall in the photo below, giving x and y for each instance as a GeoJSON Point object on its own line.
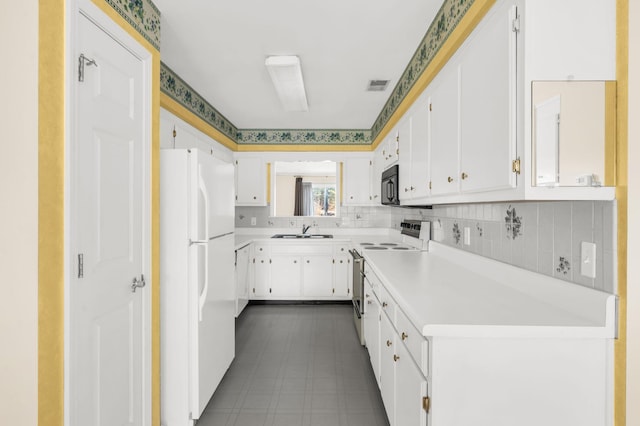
{"type": "Point", "coordinates": [18, 214]}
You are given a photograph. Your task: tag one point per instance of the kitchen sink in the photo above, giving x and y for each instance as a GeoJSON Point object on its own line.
{"type": "Point", "coordinates": [312, 236]}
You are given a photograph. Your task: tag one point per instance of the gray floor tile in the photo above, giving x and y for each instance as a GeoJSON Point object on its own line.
{"type": "Point", "coordinates": [297, 365]}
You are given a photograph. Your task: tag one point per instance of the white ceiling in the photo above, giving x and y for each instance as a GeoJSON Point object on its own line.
{"type": "Point", "coordinates": [218, 47]}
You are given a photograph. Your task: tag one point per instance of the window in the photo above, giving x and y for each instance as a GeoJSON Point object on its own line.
{"type": "Point", "coordinates": [324, 199]}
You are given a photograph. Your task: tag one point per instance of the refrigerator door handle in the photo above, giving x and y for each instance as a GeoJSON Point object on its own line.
{"type": "Point", "coordinates": [203, 296]}
{"type": "Point", "coordinates": [202, 299]}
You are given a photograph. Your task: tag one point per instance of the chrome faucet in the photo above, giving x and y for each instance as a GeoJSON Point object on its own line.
{"type": "Point", "coordinates": [305, 228]}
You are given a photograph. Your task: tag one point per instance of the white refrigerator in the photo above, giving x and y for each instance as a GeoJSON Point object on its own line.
{"type": "Point", "coordinates": [197, 282]}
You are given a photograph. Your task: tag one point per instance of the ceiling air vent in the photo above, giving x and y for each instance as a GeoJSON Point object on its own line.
{"type": "Point", "coordinates": [377, 85]}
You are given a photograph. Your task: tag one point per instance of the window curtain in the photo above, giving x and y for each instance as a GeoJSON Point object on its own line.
{"type": "Point", "coordinates": [298, 203]}
{"type": "Point", "coordinates": [303, 201]}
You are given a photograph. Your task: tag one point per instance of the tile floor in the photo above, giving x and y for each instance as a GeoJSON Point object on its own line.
{"type": "Point", "coordinates": [297, 365]}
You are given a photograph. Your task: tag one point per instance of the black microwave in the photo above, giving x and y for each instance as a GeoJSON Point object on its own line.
{"type": "Point", "coordinates": [390, 189]}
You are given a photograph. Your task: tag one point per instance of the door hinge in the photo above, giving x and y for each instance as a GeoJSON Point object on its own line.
{"type": "Point", "coordinates": [515, 166]}
{"type": "Point", "coordinates": [426, 403]}
{"type": "Point", "coordinates": [254, 290]}
{"type": "Point", "coordinates": [370, 163]}
{"type": "Point", "coordinates": [254, 260]}
{"type": "Point", "coordinates": [430, 106]}
{"type": "Point", "coordinates": [236, 162]}
{"type": "Point", "coordinates": [334, 261]}
{"type": "Point", "coordinates": [80, 265]}
{"type": "Point", "coordinates": [333, 290]}
{"type": "Point", "coordinates": [269, 260]}
{"type": "Point", "coordinates": [82, 62]}
{"type": "Point", "coordinates": [429, 184]}
{"type": "Point", "coordinates": [236, 198]}
{"type": "Point", "coordinates": [269, 290]}
{"type": "Point", "coordinates": [515, 24]}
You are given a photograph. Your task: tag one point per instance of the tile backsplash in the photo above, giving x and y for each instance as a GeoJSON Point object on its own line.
{"type": "Point", "coordinates": [544, 236]}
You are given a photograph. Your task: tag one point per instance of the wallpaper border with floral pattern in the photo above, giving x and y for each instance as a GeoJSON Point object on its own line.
{"type": "Point", "coordinates": [142, 15]}
{"type": "Point", "coordinates": [446, 20]}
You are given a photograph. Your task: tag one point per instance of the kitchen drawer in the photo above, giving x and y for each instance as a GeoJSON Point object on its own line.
{"type": "Point", "coordinates": [341, 248]}
{"type": "Point", "coordinates": [261, 248]}
{"type": "Point", "coordinates": [302, 249]}
{"type": "Point", "coordinates": [373, 280]}
{"type": "Point", "coordinates": [369, 293]}
{"type": "Point", "coordinates": [387, 304]}
{"type": "Point", "coordinates": [414, 341]}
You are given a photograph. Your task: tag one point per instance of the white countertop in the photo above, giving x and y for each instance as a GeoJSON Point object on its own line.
{"type": "Point", "coordinates": [449, 292]}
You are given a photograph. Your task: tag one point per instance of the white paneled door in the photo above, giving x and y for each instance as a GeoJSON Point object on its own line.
{"type": "Point", "coordinates": [109, 326]}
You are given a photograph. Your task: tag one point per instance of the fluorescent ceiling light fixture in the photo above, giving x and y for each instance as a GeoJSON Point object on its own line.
{"type": "Point", "coordinates": [286, 75]}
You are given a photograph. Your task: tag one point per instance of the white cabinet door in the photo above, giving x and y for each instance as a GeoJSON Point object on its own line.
{"type": "Point", "coordinates": [357, 182]}
{"type": "Point", "coordinates": [444, 131]}
{"type": "Point", "coordinates": [404, 169]}
{"type": "Point", "coordinates": [261, 277]}
{"type": "Point", "coordinates": [420, 152]}
{"type": "Point", "coordinates": [411, 387]}
{"type": "Point", "coordinates": [387, 367]}
{"type": "Point", "coordinates": [286, 276]}
{"type": "Point", "coordinates": [317, 272]}
{"type": "Point", "coordinates": [243, 278]}
{"type": "Point", "coordinates": [372, 330]}
{"type": "Point", "coordinates": [251, 182]}
{"type": "Point", "coordinates": [487, 104]}
{"type": "Point", "coordinates": [342, 277]}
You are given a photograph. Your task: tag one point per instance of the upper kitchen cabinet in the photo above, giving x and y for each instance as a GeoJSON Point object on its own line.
{"type": "Point", "coordinates": [389, 150]}
{"type": "Point", "coordinates": [251, 181]}
{"type": "Point", "coordinates": [414, 152]}
{"type": "Point", "coordinates": [357, 182]}
{"type": "Point", "coordinates": [484, 103]}
{"type": "Point", "coordinates": [568, 93]}
{"type": "Point", "coordinates": [473, 112]}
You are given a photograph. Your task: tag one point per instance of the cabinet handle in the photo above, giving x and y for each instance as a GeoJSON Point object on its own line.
{"type": "Point", "coordinates": [464, 176]}
{"type": "Point", "coordinates": [395, 358]}
{"type": "Point", "coordinates": [449, 179]}
{"type": "Point", "coordinates": [366, 295]}
{"type": "Point", "coordinates": [404, 336]}
{"type": "Point", "coordinates": [406, 190]}
{"type": "Point", "coordinates": [295, 261]}
{"type": "Point", "coordinates": [341, 261]}
{"type": "Point", "coordinates": [384, 304]}
{"type": "Point", "coordinates": [412, 188]}
{"type": "Point", "coordinates": [307, 261]}
{"type": "Point", "coordinates": [388, 342]}
{"type": "Point", "coordinates": [368, 302]}
{"type": "Point", "coordinates": [351, 197]}
{"type": "Point", "coordinates": [254, 197]}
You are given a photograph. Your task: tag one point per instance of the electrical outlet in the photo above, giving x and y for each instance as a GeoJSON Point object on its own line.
{"type": "Point", "coordinates": [253, 221]}
{"type": "Point", "coordinates": [588, 259]}
{"type": "Point", "coordinates": [467, 236]}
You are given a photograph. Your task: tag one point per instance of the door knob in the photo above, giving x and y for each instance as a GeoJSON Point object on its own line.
{"type": "Point", "coordinates": [396, 358]}
{"type": "Point", "coordinates": [464, 176]}
{"type": "Point", "coordinates": [135, 284]}
{"type": "Point", "coordinates": [449, 179]}
{"type": "Point", "coordinates": [404, 336]}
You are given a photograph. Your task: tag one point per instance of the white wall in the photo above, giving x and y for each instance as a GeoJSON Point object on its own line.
{"type": "Point", "coordinates": [18, 215]}
{"type": "Point", "coordinates": [633, 278]}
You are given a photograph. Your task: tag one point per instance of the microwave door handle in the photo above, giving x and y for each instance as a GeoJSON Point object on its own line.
{"type": "Point", "coordinates": [390, 190]}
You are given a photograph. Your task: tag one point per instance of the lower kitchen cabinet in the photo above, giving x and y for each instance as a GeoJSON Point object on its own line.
{"type": "Point", "coordinates": [317, 276]}
{"type": "Point", "coordinates": [243, 277]}
{"type": "Point", "coordinates": [261, 277]}
{"type": "Point", "coordinates": [388, 367]}
{"type": "Point", "coordinates": [372, 329]}
{"type": "Point", "coordinates": [301, 271]}
{"type": "Point", "coordinates": [285, 276]}
{"type": "Point", "coordinates": [411, 390]}
{"type": "Point", "coordinates": [402, 385]}
{"type": "Point", "coordinates": [342, 276]}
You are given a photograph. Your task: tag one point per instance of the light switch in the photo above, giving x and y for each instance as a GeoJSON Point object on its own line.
{"type": "Point", "coordinates": [253, 221]}
{"type": "Point", "coordinates": [588, 259]}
